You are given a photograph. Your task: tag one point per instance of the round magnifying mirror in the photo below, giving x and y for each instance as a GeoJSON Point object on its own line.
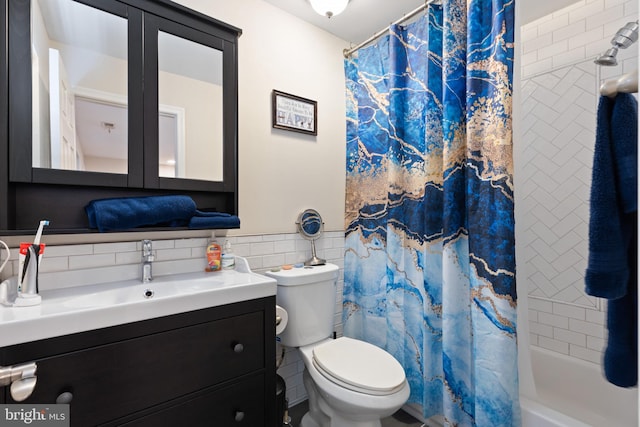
{"type": "Point", "coordinates": [310, 226]}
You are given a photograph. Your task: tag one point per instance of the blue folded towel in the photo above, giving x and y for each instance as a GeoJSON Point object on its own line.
{"type": "Point", "coordinates": [132, 212]}
{"type": "Point", "coordinates": [214, 220]}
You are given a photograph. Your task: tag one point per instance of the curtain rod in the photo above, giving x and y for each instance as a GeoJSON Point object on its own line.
{"type": "Point", "coordinates": [348, 52]}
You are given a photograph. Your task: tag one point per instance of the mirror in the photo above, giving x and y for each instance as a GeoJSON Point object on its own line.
{"type": "Point", "coordinates": [79, 87]}
{"type": "Point", "coordinates": [190, 109]}
{"type": "Point", "coordinates": [310, 226]}
{"type": "Point", "coordinates": [80, 108]}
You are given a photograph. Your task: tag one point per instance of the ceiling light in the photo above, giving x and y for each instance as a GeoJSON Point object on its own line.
{"type": "Point", "coordinates": [329, 8]}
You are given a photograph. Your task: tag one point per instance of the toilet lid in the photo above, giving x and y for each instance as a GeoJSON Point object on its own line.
{"type": "Point", "coordinates": [359, 365]}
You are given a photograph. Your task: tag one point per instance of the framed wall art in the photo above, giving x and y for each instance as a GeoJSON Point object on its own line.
{"type": "Point", "coordinates": [290, 112]}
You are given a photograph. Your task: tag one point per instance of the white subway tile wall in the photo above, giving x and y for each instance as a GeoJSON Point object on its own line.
{"type": "Point", "coordinates": [576, 33]}
{"type": "Point", "coordinates": [86, 264]}
{"type": "Point", "coordinates": [560, 93]}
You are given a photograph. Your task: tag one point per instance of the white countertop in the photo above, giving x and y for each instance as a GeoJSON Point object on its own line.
{"type": "Point", "coordinates": [84, 308]}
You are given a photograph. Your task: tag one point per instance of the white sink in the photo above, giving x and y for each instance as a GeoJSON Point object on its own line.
{"type": "Point", "coordinates": [83, 308]}
{"type": "Point", "coordinates": [133, 291]}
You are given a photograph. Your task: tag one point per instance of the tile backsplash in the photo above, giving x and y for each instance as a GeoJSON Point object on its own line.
{"type": "Point", "coordinates": [85, 264]}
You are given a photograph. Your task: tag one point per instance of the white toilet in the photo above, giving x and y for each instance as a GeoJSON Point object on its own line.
{"type": "Point", "coordinates": [350, 383]}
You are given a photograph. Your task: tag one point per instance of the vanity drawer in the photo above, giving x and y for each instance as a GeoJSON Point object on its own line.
{"type": "Point", "coordinates": [240, 404]}
{"type": "Point", "coordinates": [117, 379]}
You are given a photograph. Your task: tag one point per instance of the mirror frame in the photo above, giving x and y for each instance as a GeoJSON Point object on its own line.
{"type": "Point", "coordinates": [28, 194]}
{"type": "Point", "coordinates": [153, 25]}
{"type": "Point", "coordinates": [304, 218]}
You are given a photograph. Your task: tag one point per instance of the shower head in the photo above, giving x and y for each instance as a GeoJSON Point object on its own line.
{"type": "Point", "coordinates": [608, 58]}
{"type": "Point", "coordinates": [625, 37]}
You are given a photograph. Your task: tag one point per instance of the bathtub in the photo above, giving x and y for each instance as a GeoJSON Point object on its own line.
{"type": "Point", "coordinates": [574, 393]}
{"type": "Point", "coordinates": [570, 393]}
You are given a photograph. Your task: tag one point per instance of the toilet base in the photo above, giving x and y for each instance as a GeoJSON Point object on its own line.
{"type": "Point", "coordinates": [322, 415]}
{"type": "Point", "coordinates": [308, 421]}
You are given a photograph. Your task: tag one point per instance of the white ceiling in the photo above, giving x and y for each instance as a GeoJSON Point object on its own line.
{"type": "Point", "coordinates": [363, 18]}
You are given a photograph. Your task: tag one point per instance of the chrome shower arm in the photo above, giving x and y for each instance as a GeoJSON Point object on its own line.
{"type": "Point", "coordinates": [624, 37]}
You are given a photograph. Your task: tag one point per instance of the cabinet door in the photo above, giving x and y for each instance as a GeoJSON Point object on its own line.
{"type": "Point", "coordinates": [113, 80]}
{"type": "Point", "coordinates": [241, 404]}
{"type": "Point", "coordinates": [111, 381]}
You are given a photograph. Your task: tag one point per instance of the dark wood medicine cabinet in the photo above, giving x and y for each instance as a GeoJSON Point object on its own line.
{"type": "Point", "coordinates": [174, 72]}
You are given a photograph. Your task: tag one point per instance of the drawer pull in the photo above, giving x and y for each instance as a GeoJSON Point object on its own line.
{"type": "Point", "coordinates": [64, 398]}
{"type": "Point", "coordinates": [239, 416]}
{"type": "Point", "coordinates": [238, 348]}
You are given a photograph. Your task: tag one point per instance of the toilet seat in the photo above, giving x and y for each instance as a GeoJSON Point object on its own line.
{"type": "Point", "coordinates": [359, 366]}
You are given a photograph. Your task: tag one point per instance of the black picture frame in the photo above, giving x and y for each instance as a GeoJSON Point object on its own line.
{"type": "Point", "coordinates": [294, 113]}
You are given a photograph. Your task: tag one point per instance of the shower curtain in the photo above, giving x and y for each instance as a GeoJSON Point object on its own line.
{"type": "Point", "coordinates": [429, 269]}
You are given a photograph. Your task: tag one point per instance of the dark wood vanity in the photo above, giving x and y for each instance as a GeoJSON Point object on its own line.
{"type": "Point", "coordinates": [210, 367]}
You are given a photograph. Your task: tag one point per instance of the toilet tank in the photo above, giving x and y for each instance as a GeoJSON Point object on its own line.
{"type": "Point", "coordinates": [308, 294]}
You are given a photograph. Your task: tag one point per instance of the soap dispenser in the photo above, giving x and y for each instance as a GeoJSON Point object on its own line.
{"type": "Point", "coordinates": [228, 258]}
{"type": "Point", "coordinates": [214, 251]}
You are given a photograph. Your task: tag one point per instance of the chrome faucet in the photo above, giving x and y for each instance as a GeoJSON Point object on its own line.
{"type": "Point", "coordinates": [147, 261]}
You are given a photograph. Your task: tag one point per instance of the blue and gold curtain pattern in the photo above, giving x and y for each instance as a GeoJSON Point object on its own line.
{"type": "Point", "coordinates": [430, 252]}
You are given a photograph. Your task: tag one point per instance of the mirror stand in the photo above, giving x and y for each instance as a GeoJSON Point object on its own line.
{"type": "Point", "coordinates": [310, 226]}
{"type": "Point", "coordinates": [314, 260]}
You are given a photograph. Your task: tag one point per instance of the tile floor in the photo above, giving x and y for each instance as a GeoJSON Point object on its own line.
{"type": "Point", "coordinates": [399, 419]}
